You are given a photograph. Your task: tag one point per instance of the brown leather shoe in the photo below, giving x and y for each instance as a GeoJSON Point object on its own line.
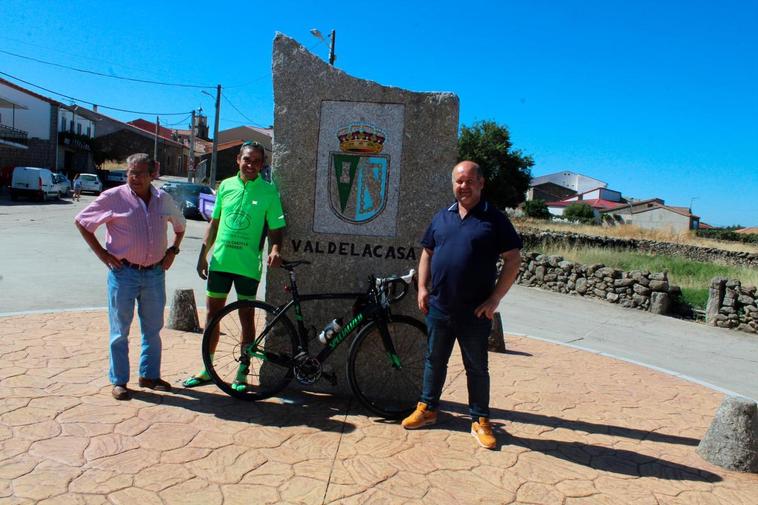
{"type": "Point", "coordinates": [120, 392]}
{"type": "Point", "coordinates": [157, 384]}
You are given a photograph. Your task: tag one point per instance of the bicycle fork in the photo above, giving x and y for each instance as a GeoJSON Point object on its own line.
{"type": "Point", "coordinates": [389, 345]}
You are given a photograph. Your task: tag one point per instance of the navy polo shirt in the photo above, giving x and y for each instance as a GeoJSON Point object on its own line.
{"type": "Point", "coordinates": [465, 253]}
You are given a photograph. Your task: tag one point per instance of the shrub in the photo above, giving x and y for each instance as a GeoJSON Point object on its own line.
{"type": "Point", "coordinates": [536, 209]}
{"type": "Point", "coordinates": [729, 235]}
{"type": "Point", "coordinates": [579, 212]}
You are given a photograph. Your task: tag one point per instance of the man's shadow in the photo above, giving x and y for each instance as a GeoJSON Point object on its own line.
{"type": "Point", "coordinates": [621, 461]}
{"type": "Point", "coordinates": [291, 408]}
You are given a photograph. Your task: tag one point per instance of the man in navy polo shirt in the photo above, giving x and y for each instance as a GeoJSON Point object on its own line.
{"type": "Point", "coordinates": [461, 249]}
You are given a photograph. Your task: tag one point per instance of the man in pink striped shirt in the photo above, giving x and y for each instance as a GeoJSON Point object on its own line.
{"type": "Point", "coordinates": [136, 217]}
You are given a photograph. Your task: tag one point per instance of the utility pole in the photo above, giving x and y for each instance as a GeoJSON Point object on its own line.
{"type": "Point", "coordinates": [331, 46]}
{"type": "Point", "coordinates": [191, 160]}
{"type": "Point", "coordinates": [214, 154]}
{"type": "Point", "coordinates": [155, 146]}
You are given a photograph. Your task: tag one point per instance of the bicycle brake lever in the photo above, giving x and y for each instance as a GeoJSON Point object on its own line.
{"type": "Point", "coordinates": [408, 278]}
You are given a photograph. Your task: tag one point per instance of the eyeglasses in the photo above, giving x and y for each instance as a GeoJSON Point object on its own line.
{"type": "Point", "coordinates": [251, 143]}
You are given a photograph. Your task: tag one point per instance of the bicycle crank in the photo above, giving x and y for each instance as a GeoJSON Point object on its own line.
{"type": "Point", "coordinates": [307, 369]}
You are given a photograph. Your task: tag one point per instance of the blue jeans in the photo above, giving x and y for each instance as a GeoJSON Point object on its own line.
{"type": "Point", "coordinates": [148, 288]}
{"type": "Point", "coordinates": [472, 334]}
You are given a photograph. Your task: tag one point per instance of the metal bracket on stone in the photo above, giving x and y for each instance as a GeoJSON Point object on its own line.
{"type": "Point", "coordinates": [183, 314]}
{"type": "Point", "coordinates": [496, 341]}
{"type": "Point", "coordinates": [731, 442]}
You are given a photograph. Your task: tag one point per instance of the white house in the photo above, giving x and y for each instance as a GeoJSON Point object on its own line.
{"type": "Point", "coordinates": [570, 180]}
{"type": "Point", "coordinates": [27, 131]}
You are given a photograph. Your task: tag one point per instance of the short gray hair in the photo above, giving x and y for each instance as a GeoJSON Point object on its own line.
{"type": "Point", "coordinates": [139, 159]}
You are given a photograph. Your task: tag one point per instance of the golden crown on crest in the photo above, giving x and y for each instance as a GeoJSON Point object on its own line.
{"type": "Point", "coordinates": [361, 138]}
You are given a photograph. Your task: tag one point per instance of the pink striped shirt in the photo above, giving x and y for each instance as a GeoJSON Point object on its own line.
{"type": "Point", "coordinates": [134, 232]}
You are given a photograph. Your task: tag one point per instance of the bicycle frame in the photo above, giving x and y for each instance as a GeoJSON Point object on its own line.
{"type": "Point", "coordinates": [373, 310]}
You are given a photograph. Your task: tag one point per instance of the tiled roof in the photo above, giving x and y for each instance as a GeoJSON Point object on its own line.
{"type": "Point", "coordinates": [595, 203]}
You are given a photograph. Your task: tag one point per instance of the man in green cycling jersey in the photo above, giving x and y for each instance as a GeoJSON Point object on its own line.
{"type": "Point", "coordinates": [247, 209]}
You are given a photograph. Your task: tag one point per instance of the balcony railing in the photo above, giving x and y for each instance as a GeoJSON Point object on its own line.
{"type": "Point", "coordinates": [75, 140]}
{"type": "Point", "coordinates": [9, 134]}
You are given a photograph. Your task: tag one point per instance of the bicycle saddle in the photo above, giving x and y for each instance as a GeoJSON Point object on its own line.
{"type": "Point", "coordinates": [290, 265]}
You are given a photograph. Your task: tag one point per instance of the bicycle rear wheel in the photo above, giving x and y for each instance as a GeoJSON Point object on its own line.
{"type": "Point", "coordinates": [387, 385]}
{"type": "Point", "coordinates": [260, 368]}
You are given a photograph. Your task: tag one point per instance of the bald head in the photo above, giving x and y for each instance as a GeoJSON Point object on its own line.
{"type": "Point", "coordinates": [468, 183]}
{"type": "Point", "coordinates": [467, 166]}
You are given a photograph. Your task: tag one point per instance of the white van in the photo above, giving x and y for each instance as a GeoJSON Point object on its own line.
{"type": "Point", "coordinates": [33, 182]}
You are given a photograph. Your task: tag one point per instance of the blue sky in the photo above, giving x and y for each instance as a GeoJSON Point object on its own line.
{"type": "Point", "coordinates": [659, 99]}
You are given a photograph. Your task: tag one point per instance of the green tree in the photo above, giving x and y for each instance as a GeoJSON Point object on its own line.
{"type": "Point", "coordinates": [536, 209]}
{"type": "Point", "coordinates": [507, 170]}
{"type": "Point", "coordinates": [579, 212]}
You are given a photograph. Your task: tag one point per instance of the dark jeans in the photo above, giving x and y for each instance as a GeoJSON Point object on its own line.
{"type": "Point", "coordinates": [472, 334]}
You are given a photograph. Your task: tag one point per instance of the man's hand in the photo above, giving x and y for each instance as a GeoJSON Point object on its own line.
{"type": "Point", "coordinates": [423, 299]}
{"type": "Point", "coordinates": [274, 259]}
{"type": "Point", "coordinates": [488, 308]}
{"type": "Point", "coordinates": [202, 267]}
{"type": "Point", "coordinates": [168, 259]}
{"type": "Point", "coordinates": [112, 262]}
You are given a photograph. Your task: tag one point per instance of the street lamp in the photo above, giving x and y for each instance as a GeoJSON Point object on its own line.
{"type": "Point", "coordinates": [332, 36]}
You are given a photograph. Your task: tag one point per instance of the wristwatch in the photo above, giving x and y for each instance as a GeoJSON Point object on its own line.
{"type": "Point", "coordinates": [173, 249]}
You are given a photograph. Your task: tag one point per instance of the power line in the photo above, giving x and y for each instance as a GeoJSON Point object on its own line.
{"type": "Point", "coordinates": [240, 112]}
{"type": "Point", "coordinates": [178, 122]}
{"type": "Point", "coordinates": [85, 71]}
{"type": "Point", "coordinates": [92, 103]}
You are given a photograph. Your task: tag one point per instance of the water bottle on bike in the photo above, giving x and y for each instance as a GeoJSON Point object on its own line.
{"type": "Point", "coordinates": [330, 330]}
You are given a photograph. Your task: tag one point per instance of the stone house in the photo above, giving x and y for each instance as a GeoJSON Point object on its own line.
{"type": "Point", "coordinates": [654, 214]}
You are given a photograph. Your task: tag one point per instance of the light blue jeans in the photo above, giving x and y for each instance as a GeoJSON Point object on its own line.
{"type": "Point", "coordinates": [148, 288]}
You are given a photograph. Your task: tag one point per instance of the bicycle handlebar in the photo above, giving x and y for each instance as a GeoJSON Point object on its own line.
{"type": "Point", "coordinates": [387, 284]}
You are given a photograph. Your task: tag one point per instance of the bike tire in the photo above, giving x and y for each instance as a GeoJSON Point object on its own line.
{"type": "Point", "coordinates": [270, 362]}
{"type": "Point", "coordinates": [386, 390]}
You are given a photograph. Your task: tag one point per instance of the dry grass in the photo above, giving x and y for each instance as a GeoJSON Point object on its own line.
{"type": "Point", "coordinates": [633, 232]}
{"type": "Point", "coordinates": [113, 165]}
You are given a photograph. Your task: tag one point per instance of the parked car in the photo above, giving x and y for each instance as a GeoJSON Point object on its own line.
{"type": "Point", "coordinates": [33, 182]}
{"type": "Point", "coordinates": [115, 177]}
{"type": "Point", "coordinates": [62, 184]}
{"type": "Point", "coordinates": [90, 183]}
{"type": "Point", "coordinates": [187, 197]}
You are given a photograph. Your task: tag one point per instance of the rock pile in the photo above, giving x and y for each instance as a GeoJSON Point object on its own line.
{"type": "Point", "coordinates": [732, 305]}
{"type": "Point", "coordinates": [636, 289]}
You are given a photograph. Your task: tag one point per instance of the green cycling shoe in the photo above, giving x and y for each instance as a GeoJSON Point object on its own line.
{"type": "Point", "coordinates": [240, 382]}
{"type": "Point", "coordinates": [196, 380]}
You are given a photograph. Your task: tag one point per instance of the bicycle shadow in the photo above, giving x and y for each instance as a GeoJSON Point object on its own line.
{"type": "Point", "coordinates": [293, 408]}
{"type": "Point", "coordinates": [620, 461]}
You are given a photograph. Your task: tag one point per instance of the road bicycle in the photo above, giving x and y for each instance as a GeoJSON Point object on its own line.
{"type": "Point", "coordinates": [259, 350]}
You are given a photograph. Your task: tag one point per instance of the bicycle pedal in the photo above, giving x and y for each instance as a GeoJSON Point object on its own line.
{"type": "Point", "coordinates": [331, 377]}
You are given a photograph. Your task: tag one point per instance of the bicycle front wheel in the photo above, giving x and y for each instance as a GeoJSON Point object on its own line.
{"type": "Point", "coordinates": [388, 384]}
{"type": "Point", "coordinates": [247, 351]}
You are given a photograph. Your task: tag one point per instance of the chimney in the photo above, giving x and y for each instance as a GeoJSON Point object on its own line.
{"type": "Point", "coordinates": [94, 107]}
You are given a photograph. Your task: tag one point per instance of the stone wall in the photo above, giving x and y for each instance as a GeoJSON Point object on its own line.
{"type": "Point", "coordinates": [731, 305]}
{"type": "Point", "coordinates": [641, 290]}
{"type": "Point", "coordinates": [534, 238]}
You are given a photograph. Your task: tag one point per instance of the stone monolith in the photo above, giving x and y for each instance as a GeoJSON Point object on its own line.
{"type": "Point", "coordinates": [361, 169]}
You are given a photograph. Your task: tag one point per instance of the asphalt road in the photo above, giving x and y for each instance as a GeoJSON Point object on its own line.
{"type": "Point", "coordinates": [720, 358]}
{"type": "Point", "coordinates": [45, 265]}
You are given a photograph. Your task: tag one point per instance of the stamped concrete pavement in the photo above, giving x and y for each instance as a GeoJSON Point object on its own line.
{"type": "Point", "coordinates": [574, 428]}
